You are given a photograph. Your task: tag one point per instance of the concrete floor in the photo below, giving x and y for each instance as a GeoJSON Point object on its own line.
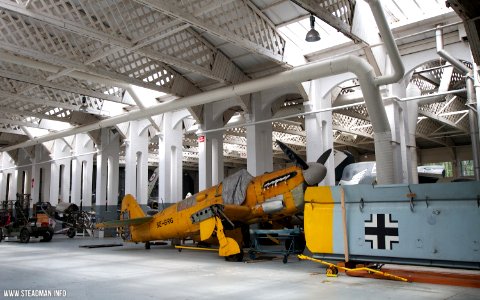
{"type": "Point", "coordinates": [131, 272]}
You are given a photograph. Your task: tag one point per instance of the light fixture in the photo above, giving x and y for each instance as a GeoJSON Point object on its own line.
{"type": "Point", "coordinates": [312, 35]}
{"type": "Point", "coordinates": [84, 105]}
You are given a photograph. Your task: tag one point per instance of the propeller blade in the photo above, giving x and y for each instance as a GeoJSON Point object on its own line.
{"type": "Point", "coordinates": [323, 158]}
{"type": "Point", "coordinates": [292, 155]}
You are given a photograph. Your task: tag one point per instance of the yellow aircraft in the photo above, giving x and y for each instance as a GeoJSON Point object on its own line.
{"type": "Point", "coordinates": [223, 212]}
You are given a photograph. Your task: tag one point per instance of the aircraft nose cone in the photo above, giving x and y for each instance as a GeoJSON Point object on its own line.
{"type": "Point", "coordinates": [315, 173]}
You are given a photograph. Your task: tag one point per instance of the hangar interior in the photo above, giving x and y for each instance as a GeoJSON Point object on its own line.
{"type": "Point", "coordinates": [163, 99]}
{"type": "Point", "coordinates": [75, 73]}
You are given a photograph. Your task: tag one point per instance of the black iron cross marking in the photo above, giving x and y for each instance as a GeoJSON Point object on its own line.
{"type": "Point", "coordinates": [381, 231]}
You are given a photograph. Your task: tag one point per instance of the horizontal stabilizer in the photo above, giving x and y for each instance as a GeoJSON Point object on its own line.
{"type": "Point", "coordinates": [124, 223]}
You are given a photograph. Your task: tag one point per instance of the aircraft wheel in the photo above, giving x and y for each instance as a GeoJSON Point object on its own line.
{"type": "Point", "coordinates": [332, 271]}
{"type": "Point", "coordinates": [47, 236]}
{"type": "Point", "coordinates": [24, 236]}
{"type": "Point", "coordinates": [236, 257]}
{"type": "Point", "coordinates": [71, 233]}
{"type": "Point", "coordinates": [147, 245]}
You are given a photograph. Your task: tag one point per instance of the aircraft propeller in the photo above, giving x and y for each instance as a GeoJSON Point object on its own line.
{"type": "Point", "coordinates": [313, 172]}
{"type": "Point", "coordinates": [323, 158]}
{"type": "Point", "coordinates": [292, 155]}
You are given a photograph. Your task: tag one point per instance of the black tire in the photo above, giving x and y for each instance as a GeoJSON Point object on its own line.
{"type": "Point", "coordinates": [24, 235]}
{"type": "Point", "coordinates": [236, 257]}
{"type": "Point", "coordinates": [47, 236]}
{"type": "Point", "coordinates": [332, 271]}
{"type": "Point", "coordinates": [147, 245]}
{"type": "Point", "coordinates": [285, 259]}
{"type": "Point", "coordinates": [71, 232]}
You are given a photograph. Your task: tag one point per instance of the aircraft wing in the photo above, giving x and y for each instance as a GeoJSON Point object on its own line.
{"type": "Point", "coordinates": [236, 211]}
{"type": "Point", "coordinates": [124, 223]}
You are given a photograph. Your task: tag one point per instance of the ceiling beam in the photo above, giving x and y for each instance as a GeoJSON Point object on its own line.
{"type": "Point", "coordinates": [354, 145]}
{"type": "Point", "coordinates": [446, 142]}
{"type": "Point", "coordinates": [70, 89]}
{"type": "Point", "coordinates": [221, 68]}
{"type": "Point", "coordinates": [350, 131]}
{"type": "Point", "coordinates": [442, 120]}
{"type": "Point", "coordinates": [19, 123]}
{"type": "Point", "coordinates": [16, 97]}
{"type": "Point", "coordinates": [182, 86]}
{"type": "Point", "coordinates": [25, 113]}
{"type": "Point", "coordinates": [352, 113]}
{"type": "Point", "coordinates": [13, 131]}
{"type": "Point", "coordinates": [169, 8]}
{"type": "Point", "coordinates": [70, 64]}
{"type": "Point", "coordinates": [137, 46]}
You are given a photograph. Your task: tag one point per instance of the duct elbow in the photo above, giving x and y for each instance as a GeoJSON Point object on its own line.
{"type": "Point", "coordinates": [392, 50]}
{"type": "Point", "coordinates": [447, 56]}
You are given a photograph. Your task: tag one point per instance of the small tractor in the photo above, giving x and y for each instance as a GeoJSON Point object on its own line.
{"type": "Point", "coordinates": [15, 220]}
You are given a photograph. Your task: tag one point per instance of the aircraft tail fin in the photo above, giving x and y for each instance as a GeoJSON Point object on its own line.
{"type": "Point", "coordinates": [130, 205]}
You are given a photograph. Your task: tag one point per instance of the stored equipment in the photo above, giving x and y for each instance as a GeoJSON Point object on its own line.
{"type": "Point", "coordinates": [15, 220]}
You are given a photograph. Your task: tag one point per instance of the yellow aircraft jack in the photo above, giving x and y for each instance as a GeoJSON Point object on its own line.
{"type": "Point", "coordinates": [332, 269]}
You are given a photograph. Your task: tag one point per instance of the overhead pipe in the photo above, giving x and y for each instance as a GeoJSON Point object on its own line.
{"type": "Point", "coordinates": [425, 99]}
{"type": "Point", "coordinates": [389, 43]}
{"type": "Point", "coordinates": [307, 72]}
{"type": "Point", "coordinates": [477, 95]}
{"type": "Point", "coordinates": [364, 71]}
{"type": "Point", "coordinates": [447, 56]}
{"type": "Point", "coordinates": [473, 132]}
{"type": "Point", "coordinates": [470, 95]}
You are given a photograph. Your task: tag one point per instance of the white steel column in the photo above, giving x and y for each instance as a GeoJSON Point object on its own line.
{"type": "Point", "coordinates": [259, 137]}
{"type": "Point", "coordinates": [204, 162]}
{"type": "Point", "coordinates": [319, 128]}
{"type": "Point", "coordinates": [83, 149]}
{"type": "Point", "coordinates": [60, 172]}
{"type": "Point", "coordinates": [41, 180]}
{"type": "Point", "coordinates": [8, 164]}
{"type": "Point", "coordinates": [25, 161]}
{"type": "Point", "coordinates": [210, 146]}
{"type": "Point", "coordinates": [217, 156]}
{"type": "Point", "coordinates": [396, 113]}
{"type": "Point", "coordinates": [170, 159]}
{"type": "Point", "coordinates": [136, 161]}
{"type": "Point", "coordinates": [411, 115]}
{"type": "Point", "coordinates": [2, 174]}
{"type": "Point", "coordinates": [107, 168]}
